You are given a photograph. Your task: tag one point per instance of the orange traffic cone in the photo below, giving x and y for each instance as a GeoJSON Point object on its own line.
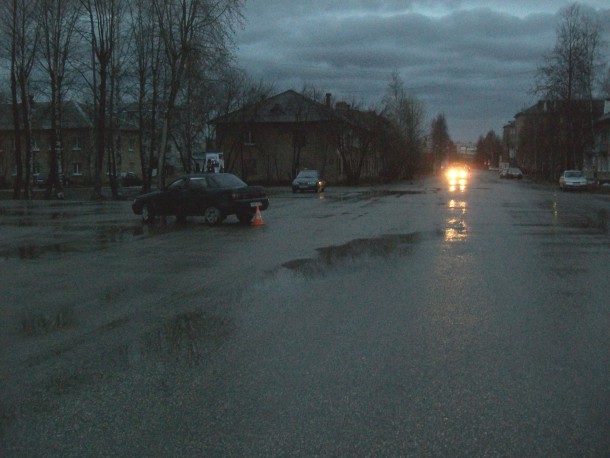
{"type": "Point", "coordinates": [258, 218]}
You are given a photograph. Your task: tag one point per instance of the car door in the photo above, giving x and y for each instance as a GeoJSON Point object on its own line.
{"type": "Point", "coordinates": [198, 195]}
{"type": "Point", "coordinates": [173, 199]}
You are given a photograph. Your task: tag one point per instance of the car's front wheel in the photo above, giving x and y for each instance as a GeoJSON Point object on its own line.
{"type": "Point", "coordinates": [148, 213]}
{"type": "Point", "coordinates": [212, 216]}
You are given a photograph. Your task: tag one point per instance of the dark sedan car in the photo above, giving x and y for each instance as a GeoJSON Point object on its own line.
{"type": "Point", "coordinates": [212, 195]}
{"type": "Point", "coordinates": [308, 180]}
{"type": "Point", "coordinates": [41, 179]}
{"type": "Point", "coordinates": [129, 179]}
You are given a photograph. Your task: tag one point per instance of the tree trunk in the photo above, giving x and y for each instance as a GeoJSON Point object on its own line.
{"type": "Point", "coordinates": [17, 183]}
{"type": "Point", "coordinates": [27, 134]}
{"type": "Point", "coordinates": [101, 135]}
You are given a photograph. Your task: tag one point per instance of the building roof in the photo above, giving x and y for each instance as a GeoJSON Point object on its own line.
{"type": "Point", "coordinates": [287, 107]}
{"type": "Point", "coordinates": [548, 106]}
{"type": "Point", "coordinates": [74, 116]}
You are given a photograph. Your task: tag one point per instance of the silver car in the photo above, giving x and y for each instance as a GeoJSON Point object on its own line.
{"type": "Point", "coordinates": [308, 180]}
{"type": "Point", "coordinates": [572, 179]}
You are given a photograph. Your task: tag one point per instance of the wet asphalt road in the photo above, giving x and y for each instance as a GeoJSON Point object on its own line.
{"type": "Point", "coordinates": [406, 320]}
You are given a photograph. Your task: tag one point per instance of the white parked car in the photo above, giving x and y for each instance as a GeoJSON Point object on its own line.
{"type": "Point", "coordinates": [572, 179]}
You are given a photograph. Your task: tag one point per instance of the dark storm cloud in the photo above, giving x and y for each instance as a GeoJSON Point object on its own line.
{"type": "Point", "coordinates": [476, 65]}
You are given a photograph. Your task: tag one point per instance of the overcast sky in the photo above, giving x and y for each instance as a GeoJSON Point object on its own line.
{"type": "Point", "coordinates": [474, 61]}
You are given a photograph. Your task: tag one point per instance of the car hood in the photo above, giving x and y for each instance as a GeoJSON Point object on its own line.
{"type": "Point", "coordinates": [575, 179]}
{"type": "Point", "coordinates": [148, 195]}
{"type": "Point", "coordinates": [305, 180]}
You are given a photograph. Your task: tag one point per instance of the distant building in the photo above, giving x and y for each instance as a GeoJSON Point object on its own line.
{"type": "Point", "coordinates": [273, 139]}
{"type": "Point", "coordinates": [77, 154]}
{"type": "Point", "coordinates": [509, 143]}
{"type": "Point", "coordinates": [541, 135]}
{"type": "Point", "coordinates": [598, 162]}
{"type": "Point", "coordinates": [466, 150]}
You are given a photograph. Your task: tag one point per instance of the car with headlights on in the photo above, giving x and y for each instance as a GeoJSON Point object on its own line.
{"type": "Point", "coordinates": [457, 172]}
{"type": "Point", "coordinates": [308, 180]}
{"type": "Point", "coordinates": [573, 179]}
{"type": "Point", "coordinates": [211, 195]}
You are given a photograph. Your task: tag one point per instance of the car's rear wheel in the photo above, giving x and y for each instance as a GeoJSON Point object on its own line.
{"type": "Point", "coordinates": [213, 216]}
{"type": "Point", "coordinates": [148, 214]}
{"type": "Point", "coordinates": [245, 218]}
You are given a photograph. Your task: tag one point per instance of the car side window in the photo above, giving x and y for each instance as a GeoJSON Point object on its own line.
{"type": "Point", "coordinates": [198, 183]}
{"type": "Point", "coordinates": [177, 185]}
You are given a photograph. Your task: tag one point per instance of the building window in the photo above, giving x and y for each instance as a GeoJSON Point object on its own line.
{"type": "Point", "coordinates": [249, 138]}
{"type": "Point", "coordinates": [132, 144]}
{"type": "Point", "coordinates": [76, 143]}
{"type": "Point", "coordinates": [77, 168]}
{"type": "Point", "coordinates": [35, 147]}
{"type": "Point", "coordinates": [35, 168]}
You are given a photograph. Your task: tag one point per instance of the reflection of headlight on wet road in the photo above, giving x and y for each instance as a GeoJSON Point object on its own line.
{"type": "Point", "coordinates": [457, 205]}
{"type": "Point", "coordinates": [457, 184]}
{"type": "Point", "coordinates": [455, 230]}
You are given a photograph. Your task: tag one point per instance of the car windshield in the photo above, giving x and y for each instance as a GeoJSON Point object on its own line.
{"type": "Point", "coordinates": [308, 174]}
{"type": "Point", "coordinates": [575, 174]}
{"type": "Point", "coordinates": [225, 180]}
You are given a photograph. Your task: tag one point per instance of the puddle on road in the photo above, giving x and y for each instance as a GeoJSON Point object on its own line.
{"type": "Point", "coordinates": [54, 211]}
{"type": "Point", "coordinates": [94, 239]}
{"type": "Point", "coordinates": [84, 239]}
{"type": "Point", "coordinates": [591, 221]}
{"type": "Point", "coordinates": [354, 250]}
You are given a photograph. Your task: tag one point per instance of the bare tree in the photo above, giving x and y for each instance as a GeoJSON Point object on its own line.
{"type": "Point", "coordinates": [489, 148]}
{"type": "Point", "coordinates": [408, 114]}
{"type": "Point", "coordinates": [21, 26]}
{"type": "Point", "coordinates": [439, 139]}
{"type": "Point", "coordinates": [189, 28]}
{"type": "Point", "coordinates": [102, 16]}
{"type": "Point", "coordinates": [58, 20]}
{"type": "Point", "coordinates": [605, 86]}
{"type": "Point", "coordinates": [147, 50]}
{"type": "Point", "coordinates": [204, 75]}
{"type": "Point", "coordinates": [567, 77]}
{"type": "Point", "coordinates": [242, 96]}
{"type": "Point", "coordinates": [117, 118]}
